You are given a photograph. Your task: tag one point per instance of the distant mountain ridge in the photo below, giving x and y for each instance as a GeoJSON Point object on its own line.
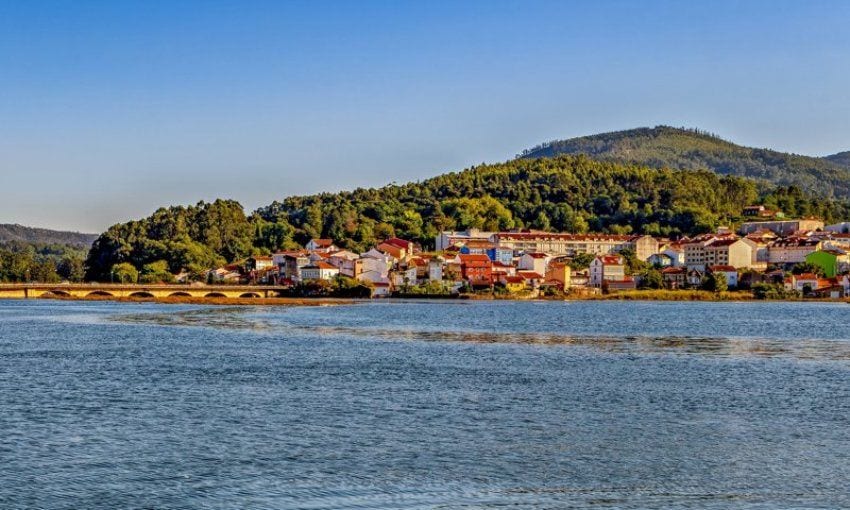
{"type": "Point", "coordinates": [20, 233]}
{"type": "Point", "coordinates": [692, 149]}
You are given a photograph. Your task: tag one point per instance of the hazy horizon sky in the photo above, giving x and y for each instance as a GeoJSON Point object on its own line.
{"type": "Point", "coordinates": [109, 110]}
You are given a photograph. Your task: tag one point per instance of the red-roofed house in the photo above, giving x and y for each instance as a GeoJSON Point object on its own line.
{"type": "Point", "coordinates": [505, 268]}
{"type": "Point", "coordinates": [730, 272]}
{"type": "Point", "coordinates": [476, 269]}
{"type": "Point", "coordinates": [606, 267]}
{"type": "Point", "coordinates": [674, 277]}
{"type": "Point", "coordinates": [398, 248]}
{"type": "Point", "coordinates": [514, 283]}
{"type": "Point", "coordinates": [804, 283]}
{"type": "Point", "coordinates": [532, 278]}
{"type": "Point", "coordinates": [627, 283]}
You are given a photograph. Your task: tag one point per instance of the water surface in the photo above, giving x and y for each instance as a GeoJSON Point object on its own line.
{"type": "Point", "coordinates": [425, 405]}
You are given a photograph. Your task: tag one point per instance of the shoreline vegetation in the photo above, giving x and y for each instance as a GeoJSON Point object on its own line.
{"type": "Point", "coordinates": [181, 300]}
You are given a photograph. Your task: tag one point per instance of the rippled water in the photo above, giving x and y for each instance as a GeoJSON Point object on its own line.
{"type": "Point", "coordinates": [425, 405]}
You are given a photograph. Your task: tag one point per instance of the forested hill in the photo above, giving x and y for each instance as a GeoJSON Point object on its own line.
{"type": "Point", "coordinates": [841, 159]}
{"type": "Point", "coordinates": [566, 193]}
{"type": "Point", "coordinates": [22, 234]}
{"type": "Point", "coordinates": [689, 149]}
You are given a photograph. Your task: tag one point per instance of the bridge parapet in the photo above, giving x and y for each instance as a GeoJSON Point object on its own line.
{"type": "Point", "coordinates": [45, 290]}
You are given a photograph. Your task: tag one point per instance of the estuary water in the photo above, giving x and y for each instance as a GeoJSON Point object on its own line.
{"type": "Point", "coordinates": [424, 405]}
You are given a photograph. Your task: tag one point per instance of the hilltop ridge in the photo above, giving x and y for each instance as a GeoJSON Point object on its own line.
{"type": "Point", "coordinates": [22, 234]}
{"type": "Point", "coordinates": [693, 149]}
{"type": "Point", "coordinates": [841, 159]}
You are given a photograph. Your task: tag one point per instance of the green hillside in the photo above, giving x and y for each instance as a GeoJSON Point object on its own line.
{"type": "Point", "coordinates": [20, 233]}
{"type": "Point", "coordinates": [37, 254]}
{"type": "Point", "coordinates": [566, 193]}
{"type": "Point", "coordinates": [686, 149]}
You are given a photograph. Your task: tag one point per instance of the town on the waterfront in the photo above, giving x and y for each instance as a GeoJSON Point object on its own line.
{"type": "Point", "coordinates": [769, 256]}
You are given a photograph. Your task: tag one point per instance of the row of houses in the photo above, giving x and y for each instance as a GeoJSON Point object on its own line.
{"type": "Point", "coordinates": [397, 264]}
{"type": "Point", "coordinates": [762, 255]}
{"type": "Point", "coordinates": [757, 249]}
{"type": "Point", "coordinates": [530, 260]}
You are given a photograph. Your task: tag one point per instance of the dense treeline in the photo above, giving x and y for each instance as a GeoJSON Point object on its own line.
{"type": "Point", "coordinates": [193, 239]}
{"type": "Point", "coordinates": [567, 193]}
{"type": "Point", "coordinates": [25, 262]}
{"type": "Point", "coordinates": [691, 149]}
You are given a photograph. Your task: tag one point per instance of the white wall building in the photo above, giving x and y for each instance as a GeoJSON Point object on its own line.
{"type": "Point", "coordinates": [536, 262]}
{"type": "Point", "coordinates": [606, 267]}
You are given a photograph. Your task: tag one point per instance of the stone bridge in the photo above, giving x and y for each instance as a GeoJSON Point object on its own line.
{"type": "Point", "coordinates": [47, 290]}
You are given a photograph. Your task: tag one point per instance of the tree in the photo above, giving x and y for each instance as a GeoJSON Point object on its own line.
{"type": "Point", "coordinates": [773, 291]}
{"type": "Point", "coordinates": [156, 272]}
{"type": "Point", "coordinates": [71, 268]}
{"type": "Point", "coordinates": [224, 228]}
{"type": "Point", "coordinates": [384, 231]}
{"type": "Point", "coordinates": [651, 278]}
{"type": "Point", "coordinates": [43, 271]}
{"type": "Point", "coordinates": [581, 261]}
{"type": "Point", "coordinates": [715, 282]}
{"type": "Point", "coordinates": [125, 273]}
{"type": "Point", "coordinates": [541, 222]}
{"type": "Point", "coordinates": [807, 267]}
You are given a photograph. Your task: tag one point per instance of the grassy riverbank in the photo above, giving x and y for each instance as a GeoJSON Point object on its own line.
{"type": "Point", "coordinates": [669, 295]}
{"type": "Point", "coordinates": [183, 300]}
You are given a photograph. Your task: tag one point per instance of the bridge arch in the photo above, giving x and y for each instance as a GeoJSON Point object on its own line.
{"type": "Point", "coordinates": [180, 294]}
{"type": "Point", "coordinates": [56, 293]}
{"type": "Point", "coordinates": [215, 295]}
{"type": "Point", "coordinates": [141, 294]}
{"type": "Point", "coordinates": [99, 293]}
{"type": "Point", "coordinates": [249, 295]}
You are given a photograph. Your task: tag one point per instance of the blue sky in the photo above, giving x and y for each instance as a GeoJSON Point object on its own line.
{"type": "Point", "coordinates": [111, 109]}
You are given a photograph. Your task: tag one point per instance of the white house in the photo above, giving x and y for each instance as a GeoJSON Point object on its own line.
{"type": "Point", "coordinates": [661, 260]}
{"type": "Point", "coordinates": [534, 261]}
{"type": "Point", "coordinates": [325, 245]}
{"type": "Point", "coordinates": [792, 250]}
{"type": "Point", "coordinates": [347, 262]}
{"type": "Point", "coordinates": [715, 250]}
{"type": "Point", "coordinates": [435, 269]}
{"type": "Point", "coordinates": [404, 277]}
{"type": "Point", "coordinates": [380, 289]}
{"type": "Point", "coordinates": [319, 270]}
{"type": "Point", "coordinates": [606, 267]}
{"type": "Point", "coordinates": [374, 277]}
{"type": "Point", "coordinates": [374, 261]}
